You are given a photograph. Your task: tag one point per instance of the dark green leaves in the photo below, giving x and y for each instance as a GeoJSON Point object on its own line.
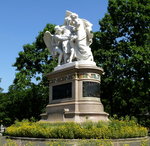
{"type": "Point", "coordinates": [122, 48]}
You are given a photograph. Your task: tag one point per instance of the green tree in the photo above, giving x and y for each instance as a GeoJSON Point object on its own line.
{"type": "Point", "coordinates": [25, 97]}
{"type": "Point", "coordinates": [22, 104]}
{"type": "Point", "coordinates": [4, 109]}
{"type": "Point", "coordinates": [0, 87]}
{"type": "Point", "coordinates": [34, 61]}
{"type": "Point", "coordinates": [28, 103]}
{"type": "Point", "coordinates": [122, 48]}
{"type": "Point", "coordinates": [4, 118]}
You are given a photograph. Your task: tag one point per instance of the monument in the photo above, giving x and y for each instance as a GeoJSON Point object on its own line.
{"type": "Point", "coordinates": [74, 85]}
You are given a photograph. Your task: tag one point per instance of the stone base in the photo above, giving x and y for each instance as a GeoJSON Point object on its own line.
{"type": "Point", "coordinates": [75, 93]}
{"type": "Point", "coordinates": [75, 111]}
{"type": "Point", "coordinates": [76, 64]}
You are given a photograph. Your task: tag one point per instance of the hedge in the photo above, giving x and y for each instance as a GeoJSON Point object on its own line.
{"type": "Point", "coordinates": [112, 129]}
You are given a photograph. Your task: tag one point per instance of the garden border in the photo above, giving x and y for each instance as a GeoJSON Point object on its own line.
{"type": "Point", "coordinates": [49, 139]}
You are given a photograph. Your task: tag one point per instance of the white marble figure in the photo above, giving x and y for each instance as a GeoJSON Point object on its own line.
{"type": "Point", "coordinates": [53, 45]}
{"type": "Point", "coordinates": [71, 41]}
{"type": "Point", "coordinates": [68, 45]}
{"type": "Point", "coordinates": [84, 38]}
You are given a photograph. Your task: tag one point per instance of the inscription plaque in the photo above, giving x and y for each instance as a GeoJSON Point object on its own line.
{"type": "Point", "coordinates": [62, 91]}
{"type": "Point", "coordinates": [91, 89]}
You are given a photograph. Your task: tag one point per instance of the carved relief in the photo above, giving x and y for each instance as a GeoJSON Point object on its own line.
{"type": "Point", "coordinates": [89, 76]}
{"type": "Point", "coordinates": [94, 76]}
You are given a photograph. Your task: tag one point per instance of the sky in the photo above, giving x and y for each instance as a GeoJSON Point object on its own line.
{"type": "Point", "coordinates": [22, 20]}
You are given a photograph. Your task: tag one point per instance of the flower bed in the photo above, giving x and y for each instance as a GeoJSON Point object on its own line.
{"type": "Point", "coordinates": [88, 130]}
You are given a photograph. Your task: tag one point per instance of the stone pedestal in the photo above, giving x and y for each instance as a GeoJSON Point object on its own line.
{"type": "Point", "coordinates": [75, 93]}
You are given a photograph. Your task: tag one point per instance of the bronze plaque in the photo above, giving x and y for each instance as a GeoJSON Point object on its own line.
{"type": "Point", "coordinates": [91, 89]}
{"type": "Point", "coordinates": [62, 91]}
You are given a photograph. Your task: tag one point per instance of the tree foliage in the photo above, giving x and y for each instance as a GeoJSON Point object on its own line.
{"type": "Point", "coordinates": [23, 104]}
{"type": "Point", "coordinates": [28, 95]}
{"type": "Point", "coordinates": [0, 87]}
{"type": "Point", "coordinates": [122, 48]}
{"type": "Point", "coordinates": [34, 61]}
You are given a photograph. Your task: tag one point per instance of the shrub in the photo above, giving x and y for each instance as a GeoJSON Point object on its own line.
{"type": "Point", "coordinates": [70, 130]}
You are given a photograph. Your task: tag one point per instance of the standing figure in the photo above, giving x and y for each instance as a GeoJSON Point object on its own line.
{"type": "Point", "coordinates": [67, 45]}
{"type": "Point", "coordinates": [84, 37]}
